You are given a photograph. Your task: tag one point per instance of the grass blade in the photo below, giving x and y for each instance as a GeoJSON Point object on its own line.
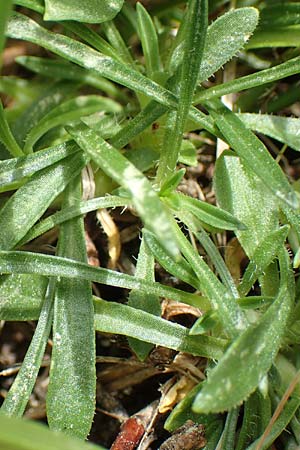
{"type": "Point", "coordinates": [72, 386]}
{"type": "Point", "coordinates": [142, 195]}
{"type": "Point", "coordinates": [117, 318]}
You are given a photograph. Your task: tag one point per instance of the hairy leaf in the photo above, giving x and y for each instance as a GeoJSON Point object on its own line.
{"type": "Point", "coordinates": [91, 11]}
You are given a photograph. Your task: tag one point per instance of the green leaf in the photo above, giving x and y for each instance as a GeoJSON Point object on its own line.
{"type": "Point", "coordinates": [47, 265]}
{"type": "Point", "coordinates": [262, 257]}
{"type": "Point", "coordinates": [6, 136]}
{"type": "Point", "coordinates": [142, 195]}
{"type": "Point", "coordinates": [65, 214]}
{"type": "Point", "coordinates": [215, 258]}
{"type": "Point", "coordinates": [241, 193]}
{"type": "Point", "coordinates": [178, 268]}
{"type": "Point", "coordinates": [183, 412]}
{"type": "Point", "coordinates": [21, 296]}
{"type": "Point", "coordinates": [279, 426]}
{"type": "Point", "coordinates": [171, 183]}
{"type": "Point", "coordinates": [117, 42]}
{"type": "Point", "coordinates": [63, 70]}
{"type": "Point", "coordinates": [21, 27]}
{"type": "Point", "coordinates": [194, 40]}
{"type": "Point", "coordinates": [50, 97]}
{"type": "Point", "coordinates": [225, 37]}
{"type": "Point", "coordinates": [250, 356]}
{"type": "Point", "coordinates": [254, 154]}
{"type": "Point", "coordinates": [72, 386]}
{"type": "Point", "coordinates": [35, 5]}
{"type": "Point", "coordinates": [278, 37]}
{"type": "Point", "coordinates": [18, 395]}
{"type": "Point", "coordinates": [68, 111]}
{"type": "Point", "coordinates": [30, 202]}
{"type": "Point", "coordinates": [275, 73]}
{"type": "Point", "coordinates": [205, 212]}
{"type": "Point", "coordinates": [4, 15]}
{"type": "Point", "coordinates": [31, 434]}
{"type": "Point", "coordinates": [15, 169]}
{"type": "Point", "coordinates": [284, 129]}
{"type": "Point", "coordinates": [222, 301]}
{"type": "Point", "coordinates": [280, 15]}
{"type": "Point", "coordinates": [111, 317]}
{"type": "Point", "coordinates": [91, 11]}
{"type": "Point", "coordinates": [149, 41]}
{"type": "Point", "coordinates": [143, 301]}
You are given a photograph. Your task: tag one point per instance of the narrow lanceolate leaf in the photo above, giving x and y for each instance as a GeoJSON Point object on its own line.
{"type": "Point", "coordinates": [65, 214]}
{"type": "Point", "coordinates": [21, 27]}
{"type": "Point", "coordinates": [284, 129]}
{"type": "Point", "coordinates": [50, 97]}
{"type": "Point", "coordinates": [63, 70]}
{"type": "Point", "coordinates": [149, 41]}
{"type": "Point", "coordinates": [6, 136]}
{"type": "Point", "coordinates": [70, 110]}
{"type": "Point", "coordinates": [30, 435]}
{"type": "Point", "coordinates": [263, 256]}
{"type": "Point", "coordinates": [240, 192]}
{"type": "Point", "coordinates": [143, 301]}
{"type": "Point", "coordinates": [37, 263]}
{"type": "Point", "coordinates": [222, 301]}
{"type": "Point", "coordinates": [250, 356]}
{"type": "Point", "coordinates": [30, 202]}
{"type": "Point", "coordinates": [15, 169]}
{"type": "Point", "coordinates": [179, 269]}
{"type": "Point", "coordinates": [225, 37]}
{"type": "Point", "coordinates": [93, 11]}
{"type": "Point", "coordinates": [142, 195]}
{"type": "Point", "coordinates": [253, 153]}
{"type": "Point", "coordinates": [111, 317]}
{"type": "Point", "coordinates": [194, 41]}
{"type": "Point", "coordinates": [17, 398]}
{"type": "Point", "coordinates": [72, 386]}
{"type": "Point", "coordinates": [278, 426]}
{"type": "Point", "coordinates": [209, 214]}
{"type": "Point", "coordinates": [275, 73]}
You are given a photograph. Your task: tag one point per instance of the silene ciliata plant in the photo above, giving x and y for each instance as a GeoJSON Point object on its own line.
{"type": "Point", "coordinates": [134, 96]}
